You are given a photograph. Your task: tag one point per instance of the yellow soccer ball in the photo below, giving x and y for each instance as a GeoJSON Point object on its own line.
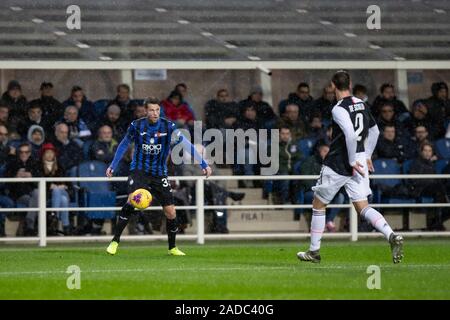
{"type": "Point", "coordinates": [141, 199]}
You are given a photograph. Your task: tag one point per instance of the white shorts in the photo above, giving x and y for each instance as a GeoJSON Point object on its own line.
{"type": "Point", "coordinates": [329, 183]}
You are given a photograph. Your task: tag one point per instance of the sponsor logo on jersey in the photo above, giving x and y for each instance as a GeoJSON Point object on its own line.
{"type": "Point", "coordinates": [151, 148]}
{"type": "Point", "coordinates": [160, 134]}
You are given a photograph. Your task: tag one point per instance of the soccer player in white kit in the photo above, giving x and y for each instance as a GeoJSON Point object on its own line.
{"type": "Point", "coordinates": [348, 163]}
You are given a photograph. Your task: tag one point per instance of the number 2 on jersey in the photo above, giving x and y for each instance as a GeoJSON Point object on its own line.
{"type": "Point", "coordinates": [359, 125]}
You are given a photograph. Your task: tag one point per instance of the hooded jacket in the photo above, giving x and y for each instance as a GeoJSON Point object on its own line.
{"type": "Point", "coordinates": [35, 147]}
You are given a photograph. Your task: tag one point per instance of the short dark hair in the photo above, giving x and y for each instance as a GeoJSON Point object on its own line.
{"type": "Point", "coordinates": [389, 126]}
{"type": "Point", "coordinates": [34, 105]}
{"type": "Point", "coordinates": [123, 85]}
{"type": "Point", "coordinates": [220, 91]}
{"type": "Point", "coordinates": [46, 85]}
{"type": "Point", "coordinates": [359, 88]}
{"type": "Point", "coordinates": [151, 100]}
{"type": "Point", "coordinates": [285, 126]}
{"type": "Point", "coordinates": [24, 144]}
{"type": "Point", "coordinates": [302, 85]}
{"type": "Point", "coordinates": [341, 80]}
{"type": "Point", "coordinates": [182, 84]}
{"type": "Point", "coordinates": [76, 88]}
{"type": "Point", "coordinates": [424, 144]}
{"type": "Point", "coordinates": [174, 94]}
{"type": "Point", "coordinates": [384, 86]}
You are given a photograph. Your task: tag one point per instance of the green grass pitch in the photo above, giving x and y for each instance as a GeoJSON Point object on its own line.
{"type": "Point", "coordinates": [226, 270]}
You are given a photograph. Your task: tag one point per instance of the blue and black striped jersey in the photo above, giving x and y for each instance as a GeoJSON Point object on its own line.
{"type": "Point", "coordinates": [152, 143]}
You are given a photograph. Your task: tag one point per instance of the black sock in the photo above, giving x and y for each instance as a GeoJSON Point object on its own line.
{"type": "Point", "coordinates": [125, 213]}
{"type": "Point", "coordinates": [172, 229]}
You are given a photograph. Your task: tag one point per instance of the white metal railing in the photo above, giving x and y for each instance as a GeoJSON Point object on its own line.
{"type": "Point", "coordinates": [200, 208]}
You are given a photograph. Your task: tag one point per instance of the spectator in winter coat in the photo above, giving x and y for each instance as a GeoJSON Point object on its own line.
{"type": "Point", "coordinates": [325, 103]}
{"type": "Point", "coordinates": [26, 194]}
{"type": "Point", "coordinates": [265, 116]}
{"type": "Point", "coordinates": [221, 113]}
{"type": "Point", "coordinates": [176, 111]}
{"type": "Point", "coordinates": [439, 108]}
{"type": "Point", "coordinates": [16, 102]}
{"type": "Point", "coordinates": [387, 94]}
{"type": "Point", "coordinates": [85, 107]}
{"type": "Point", "coordinates": [302, 98]}
{"type": "Point", "coordinates": [35, 137]}
{"type": "Point", "coordinates": [52, 109]}
{"type": "Point", "coordinates": [78, 130]}
{"type": "Point", "coordinates": [69, 153]}
{"type": "Point", "coordinates": [112, 119]}
{"type": "Point", "coordinates": [104, 148]}
{"type": "Point", "coordinates": [429, 187]}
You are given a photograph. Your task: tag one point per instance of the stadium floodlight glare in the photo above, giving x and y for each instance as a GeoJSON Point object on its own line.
{"type": "Point", "coordinates": [264, 69]}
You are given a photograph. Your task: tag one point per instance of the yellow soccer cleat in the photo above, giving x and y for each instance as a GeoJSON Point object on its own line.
{"type": "Point", "coordinates": [112, 248]}
{"type": "Point", "coordinates": [176, 252]}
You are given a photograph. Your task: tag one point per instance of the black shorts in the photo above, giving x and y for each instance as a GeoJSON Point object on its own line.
{"type": "Point", "coordinates": [159, 187]}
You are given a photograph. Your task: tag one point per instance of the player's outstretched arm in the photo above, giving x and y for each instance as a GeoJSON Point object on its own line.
{"type": "Point", "coordinates": [187, 145]}
{"type": "Point", "coordinates": [121, 150]}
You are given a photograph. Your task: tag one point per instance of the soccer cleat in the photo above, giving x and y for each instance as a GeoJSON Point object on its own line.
{"type": "Point", "coordinates": [176, 252]}
{"type": "Point", "coordinates": [112, 248]}
{"type": "Point", "coordinates": [396, 242]}
{"type": "Point", "coordinates": [309, 256]}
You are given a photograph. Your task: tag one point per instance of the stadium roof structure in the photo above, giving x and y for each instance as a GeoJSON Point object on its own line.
{"type": "Point", "coordinates": [180, 32]}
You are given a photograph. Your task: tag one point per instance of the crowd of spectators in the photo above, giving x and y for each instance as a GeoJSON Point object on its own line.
{"type": "Point", "coordinates": [48, 138]}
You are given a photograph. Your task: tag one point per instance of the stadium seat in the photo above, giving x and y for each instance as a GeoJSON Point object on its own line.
{"type": "Point", "coordinates": [96, 194]}
{"type": "Point", "coordinates": [86, 146]}
{"type": "Point", "coordinates": [100, 107]}
{"type": "Point", "coordinates": [443, 148]}
{"type": "Point", "coordinates": [440, 165]}
{"type": "Point", "coordinates": [406, 166]}
{"type": "Point", "coordinates": [386, 166]}
{"type": "Point", "coordinates": [306, 146]}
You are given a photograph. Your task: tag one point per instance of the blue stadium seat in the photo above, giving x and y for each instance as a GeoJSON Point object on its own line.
{"type": "Point", "coordinates": [100, 107]}
{"type": "Point", "coordinates": [306, 146]}
{"type": "Point", "coordinates": [386, 166]}
{"type": "Point", "coordinates": [86, 146]}
{"type": "Point", "coordinates": [406, 166]}
{"type": "Point", "coordinates": [443, 148]}
{"type": "Point", "coordinates": [440, 165]}
{"type": "Point", "coordinates": [96, 194]}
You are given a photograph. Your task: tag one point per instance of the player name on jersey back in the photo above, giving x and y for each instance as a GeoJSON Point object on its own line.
{"type": "Point", "coordinates": [356, 107]}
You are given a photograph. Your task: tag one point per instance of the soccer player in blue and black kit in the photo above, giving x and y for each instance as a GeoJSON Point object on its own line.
{"type": "Point", "coordinates": [152, 137]}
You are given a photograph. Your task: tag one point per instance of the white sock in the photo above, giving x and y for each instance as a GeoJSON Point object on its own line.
{"type": "Point", "coordinates": [317, 227]}
{"type": "Point", "coordinates": [377, 220]}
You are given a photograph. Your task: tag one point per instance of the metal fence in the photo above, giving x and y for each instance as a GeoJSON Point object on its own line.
{"type": "Point", "coordinates": [200, 208]}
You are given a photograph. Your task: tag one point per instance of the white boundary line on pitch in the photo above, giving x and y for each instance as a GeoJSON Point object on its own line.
{"type": "Point", "coordinates": [249, 268]}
